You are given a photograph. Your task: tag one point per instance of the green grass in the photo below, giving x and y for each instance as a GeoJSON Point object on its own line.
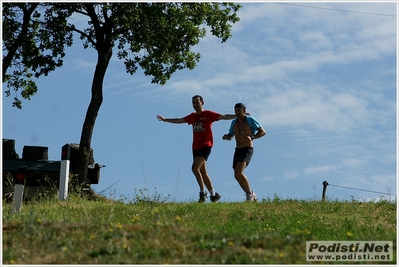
{"type": "Point", "coordinates": [152, 231]}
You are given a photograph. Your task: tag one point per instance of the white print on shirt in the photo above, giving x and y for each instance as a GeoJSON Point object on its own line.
{"type": "Point", "coordinates": [198, 127]}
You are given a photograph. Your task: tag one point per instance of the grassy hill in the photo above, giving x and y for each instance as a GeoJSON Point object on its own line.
{"type": "Point", "coordinates": [152, 231]}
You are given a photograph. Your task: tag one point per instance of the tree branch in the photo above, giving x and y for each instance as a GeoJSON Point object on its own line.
{"type": "Point", "coordinates": [27, 12]}
{"type": "Point", "coordinates": [85, 35]}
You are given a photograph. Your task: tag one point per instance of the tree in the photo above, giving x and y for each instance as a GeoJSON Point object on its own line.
{"type": "Point", "coordinates": [156, 37]}
{"type": "Point", "coordinates": [34, 40]}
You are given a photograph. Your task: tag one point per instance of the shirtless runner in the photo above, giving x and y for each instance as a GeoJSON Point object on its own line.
{"type": "Point", "coordinates": [245, 129]}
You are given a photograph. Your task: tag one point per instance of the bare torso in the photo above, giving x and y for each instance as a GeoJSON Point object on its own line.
{"type": "Point", "coordinates": [243, 133]}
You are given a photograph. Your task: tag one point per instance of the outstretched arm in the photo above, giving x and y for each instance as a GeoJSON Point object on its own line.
{"type": "Point", "coordinates": [229, 116]}
{"type": "Point", "coordinates": [176, 120]}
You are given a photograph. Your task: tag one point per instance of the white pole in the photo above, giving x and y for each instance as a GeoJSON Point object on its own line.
{"type": "Point", "coordinates": [18, 196]}
{"type": "Point", "coordinates": [64, 177]}
{"type": "Point", "coordinates": [64, 172]}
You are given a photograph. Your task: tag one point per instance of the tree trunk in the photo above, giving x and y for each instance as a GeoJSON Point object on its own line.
{"type": "Point", "coordinates": [74, 158]}
{"type": "Point", "coordinates": [104, 56]}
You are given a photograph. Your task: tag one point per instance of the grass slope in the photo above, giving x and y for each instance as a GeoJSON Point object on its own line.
{"type": "Point", "coordinates": [272, 231]}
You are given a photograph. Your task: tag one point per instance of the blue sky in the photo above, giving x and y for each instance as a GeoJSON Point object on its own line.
{"type": "Point", "coordinates": [320, 77]}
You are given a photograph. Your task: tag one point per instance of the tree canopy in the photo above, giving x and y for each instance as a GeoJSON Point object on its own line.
{"type": "Point", "coordinates": [156, 37]}
{"type": "Point", "coordinates": [34, 39]}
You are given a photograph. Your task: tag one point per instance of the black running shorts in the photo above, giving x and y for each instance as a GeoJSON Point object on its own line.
{"type": "Point", "coordinates": [242, 154]}
{"type": "Point", "coordinates": [202, 152]}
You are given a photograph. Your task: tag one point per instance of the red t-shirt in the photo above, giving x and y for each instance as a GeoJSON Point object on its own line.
{"type": "Point", "coordinates": [202, 131]}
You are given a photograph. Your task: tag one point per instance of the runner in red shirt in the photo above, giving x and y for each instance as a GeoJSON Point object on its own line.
{"type": "Point", "coordinates": [201, 120]}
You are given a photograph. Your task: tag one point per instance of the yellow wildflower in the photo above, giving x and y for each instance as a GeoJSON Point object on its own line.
{"type": "Point", "coordinates": [136, 219]}
{"type": "Point", "coordinates": [349, 234]}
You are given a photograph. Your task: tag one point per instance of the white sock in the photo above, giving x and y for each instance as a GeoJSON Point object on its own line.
{"type": "Point", "coordinates": [212, 193]}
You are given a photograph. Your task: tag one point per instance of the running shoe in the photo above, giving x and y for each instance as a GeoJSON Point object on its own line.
{"type": "Point", "coordinates": [203, 196]}
{"type": "Point", "coordinates": [252, 196]}
{"type": "Point", "coordinates": [216, 197]}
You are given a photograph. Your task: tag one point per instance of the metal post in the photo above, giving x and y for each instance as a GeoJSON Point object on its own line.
{"type": "Point", "coordinates": [323, 197]}
{"type": "Point", "coordinates": [64, 172]}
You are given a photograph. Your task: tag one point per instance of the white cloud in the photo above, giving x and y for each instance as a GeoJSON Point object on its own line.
{"type": "Point", "coordinates": [292, 174]}
{"type": "Point", "coordinates": [316, 40]}
{"type": "Point", "coordinates": [353, 163]}
{"type": "Point", "coordinates": [318, 170]}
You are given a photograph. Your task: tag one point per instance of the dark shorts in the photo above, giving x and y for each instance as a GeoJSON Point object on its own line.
{"type": "Point", "coordinates": [242, 154]}
{"type": "Point", "coordinates": [202, 152]}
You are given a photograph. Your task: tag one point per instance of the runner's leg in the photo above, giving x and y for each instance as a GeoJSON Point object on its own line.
{"type": "Point", "coordinates": [240, 176]}
{"type": "Point", "coordinates": [196, 169]}
{"type": "Point", "coordinates": [205, 177]}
